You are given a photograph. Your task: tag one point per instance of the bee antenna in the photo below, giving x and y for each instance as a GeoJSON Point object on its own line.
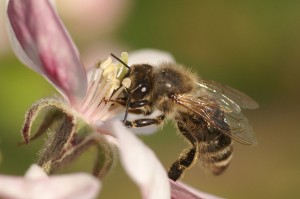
{"type": "Point", "coordinates": [117, 58]}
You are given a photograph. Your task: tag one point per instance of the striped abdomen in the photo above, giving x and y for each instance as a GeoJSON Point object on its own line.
{"type": "Point", "coordinates": [209, 144]}
{"type": "Point", "coordinates": [217, 153]}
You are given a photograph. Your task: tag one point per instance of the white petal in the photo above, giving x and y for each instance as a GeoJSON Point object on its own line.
{"type": "Point", "coordinates": [149, 56]}
{"type": "Point", "coordinates": [140, 163]}
{"type": "Point", "coordinates": [35, 172]}
{"type": "Point", "coordinates": [36, 185]}
{"type": "Point", "coordinates": [74, 186]}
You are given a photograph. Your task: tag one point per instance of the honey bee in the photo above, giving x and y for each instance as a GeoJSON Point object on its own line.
{"type": "Point", "coordinates": [208, 114]}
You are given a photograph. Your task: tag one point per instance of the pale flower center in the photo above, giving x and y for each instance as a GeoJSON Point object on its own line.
{"type": "Point", "coordinates": [104, 87]}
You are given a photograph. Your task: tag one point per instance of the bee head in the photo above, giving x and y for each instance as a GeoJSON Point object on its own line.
{"type": "Point", "coordinates": [141, 76]}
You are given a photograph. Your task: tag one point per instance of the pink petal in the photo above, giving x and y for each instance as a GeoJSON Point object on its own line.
{"type": "Point", "coordinates": [149, 56]}
{"type": "Point", "coordinates": [36, 184]}
{"type": "Point", "coordinates": [140, 163]}
{"type": "Point", "coordinates": [183, 191]}
{"type": "Point", "coordinates": [41, 42]}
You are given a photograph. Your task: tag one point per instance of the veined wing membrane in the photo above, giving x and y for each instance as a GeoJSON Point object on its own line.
{"type": "Point", "coordinates": [230, 99]}
{"type": "Point", "coordinates": [240, 129]}
{"type": "Point", "coordinates": [233, 124]}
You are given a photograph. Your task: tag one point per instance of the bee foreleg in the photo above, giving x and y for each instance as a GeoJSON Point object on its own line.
{"type": "Point", "coordinates": [185, 160]}
{"type": "Point", "coordinates": [136, 105]}
{"type": "Point", "coordinates": [144, 122]}
{"type": "Point", "coordinates": [139, 104]}
{"type": "Point", "coordinates": [143, 105]}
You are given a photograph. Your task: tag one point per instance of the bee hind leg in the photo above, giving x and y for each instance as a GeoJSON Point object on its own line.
{"type": "Point", "coordinates": [185, 161]}
{"type": "Point", "coordinates": [187, 157]}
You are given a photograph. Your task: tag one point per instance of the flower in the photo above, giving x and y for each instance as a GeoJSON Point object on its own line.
{"type": "Point", "coordinates": [85, 112]}
{"type": "Point", "coordinates": [36, 184]}
{"type": "Point", "coordinates": [183, 191]}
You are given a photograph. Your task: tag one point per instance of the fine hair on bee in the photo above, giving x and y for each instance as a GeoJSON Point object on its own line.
{"type": "Point", "coordinates": [207, 113]}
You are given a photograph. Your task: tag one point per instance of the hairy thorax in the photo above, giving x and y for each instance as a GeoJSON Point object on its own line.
{"type": "Point", "coordinates": [170, 81]}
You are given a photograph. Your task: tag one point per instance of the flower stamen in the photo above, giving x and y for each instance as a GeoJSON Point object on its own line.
{"type": "Point", "coordinates": [107, 113]}
{"type": "Point", "coordinates": [104, 88]}
{"type": "Point", "coordinates": [94, 83]}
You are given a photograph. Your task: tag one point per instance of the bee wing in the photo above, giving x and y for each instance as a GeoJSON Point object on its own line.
{"type": "Point", "coordinates": [233, 124]}
{"type": "Point", "coordinates": [240, 129]}
{"type": "Point", "coordinates": [230, 99]}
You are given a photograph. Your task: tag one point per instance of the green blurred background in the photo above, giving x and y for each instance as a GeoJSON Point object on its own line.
{"type": "Point", "coordinates": [253, 46]}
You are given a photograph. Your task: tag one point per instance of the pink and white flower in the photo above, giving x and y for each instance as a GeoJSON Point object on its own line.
{"type": "Point", "coordinates": [42, 43]}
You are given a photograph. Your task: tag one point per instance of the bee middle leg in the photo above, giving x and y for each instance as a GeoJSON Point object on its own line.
{"type": "Point", "coordinates": [144, 122]}
{"type": "Point", "coordinates": [186, 158]}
